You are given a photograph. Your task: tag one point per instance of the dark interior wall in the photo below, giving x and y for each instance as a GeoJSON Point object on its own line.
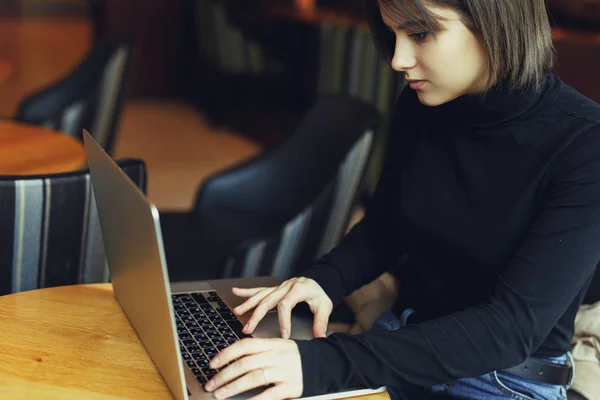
{"type": "Point", "coordinates": [158, 29]}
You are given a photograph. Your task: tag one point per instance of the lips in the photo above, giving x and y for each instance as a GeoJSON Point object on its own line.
{"type": "Point", "coordinates": [416, 84]}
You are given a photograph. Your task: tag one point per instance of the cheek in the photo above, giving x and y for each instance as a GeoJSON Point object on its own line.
{"type": "Point", "coordinates": [453, 61]}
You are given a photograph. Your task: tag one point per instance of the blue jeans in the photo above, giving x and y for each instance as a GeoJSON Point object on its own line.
{"type": "Point", "coordinates": [495, 385]}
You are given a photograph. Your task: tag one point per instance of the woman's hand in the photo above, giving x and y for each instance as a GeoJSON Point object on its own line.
{"type": "Point", "coordinates": [285, 297]}
{"type": "Point", "coordinates": [256, 363]}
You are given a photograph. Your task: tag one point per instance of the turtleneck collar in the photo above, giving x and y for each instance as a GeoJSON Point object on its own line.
{"type": "Point", "coordinates": [498, 107]}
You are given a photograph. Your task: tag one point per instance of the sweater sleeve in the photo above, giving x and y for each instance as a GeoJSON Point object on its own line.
{"type": "Point", "coordinates": [373, 245]}
{"type": "Point", "coordinates": [551, 267]}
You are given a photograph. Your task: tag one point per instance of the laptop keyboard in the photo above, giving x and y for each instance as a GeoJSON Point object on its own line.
{"type": "Point", "coordinates": [205, 326]}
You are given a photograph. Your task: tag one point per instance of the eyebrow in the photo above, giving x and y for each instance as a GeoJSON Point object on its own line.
{"type": "Point", "coordinates": [407, 25]}
{"type": "Point", "coordinates": [410, 24]}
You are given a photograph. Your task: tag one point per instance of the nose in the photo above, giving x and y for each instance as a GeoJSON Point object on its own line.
{"type": "Point", "coordinates": [404, 55]}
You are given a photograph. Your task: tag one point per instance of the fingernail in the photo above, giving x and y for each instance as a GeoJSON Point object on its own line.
{"type": "Point", "coordinates": [246, 327]}
{"type": "Point", "coordinates": [215, 362]}
{"type": "Point", "coordinates": [210, 385]}
{"type": "Point", "coordinates": [221, 392]}
{"type": "Point", "coordinates": [284, 334]}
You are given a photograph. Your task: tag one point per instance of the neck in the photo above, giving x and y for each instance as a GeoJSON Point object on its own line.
{"type": "Point", "coordinates": [499, 106]}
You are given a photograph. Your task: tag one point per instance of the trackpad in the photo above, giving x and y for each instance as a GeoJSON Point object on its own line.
{"type": "Point", "coordinates": [269, 327]}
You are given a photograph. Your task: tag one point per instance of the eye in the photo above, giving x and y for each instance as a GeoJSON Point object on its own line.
{"type": "Point", "coordinates": [419, 36]}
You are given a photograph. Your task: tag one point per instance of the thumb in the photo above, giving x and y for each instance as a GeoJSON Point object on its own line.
{"type": "Point", "coordinates": [320, 323]}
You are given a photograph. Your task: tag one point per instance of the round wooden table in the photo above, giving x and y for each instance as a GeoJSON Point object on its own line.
{"type": "Point", "coordinates": [33, 150]}
{"type": "Point", "coordinates": [75, 342]}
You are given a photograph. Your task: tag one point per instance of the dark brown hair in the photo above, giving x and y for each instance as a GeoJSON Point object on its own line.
{"type": "Point", "coordinates": [516, 34]}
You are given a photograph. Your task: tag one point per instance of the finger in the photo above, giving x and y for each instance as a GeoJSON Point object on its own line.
{"type": "Point", "coordinates": [285, 306]}
{"type": "Point", "coordinates": [253, 301]}
{"type": "Point", "coordinates": [265, 305]}
{"type": "Point", "coordinates": [277, 392]}
{"type": "Point", "coordinates": [237, 369]}
{"type": "Point", "coordinates": [322, 313]}
{"type": "Point", "coordinates": [246, 292]}
{"type": "Point", "coordinates": [244, 347]}
{"type": "Point", "coordinates": [252, 380]}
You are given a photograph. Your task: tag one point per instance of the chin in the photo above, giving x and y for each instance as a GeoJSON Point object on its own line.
{"type": "Point", "coordinates": [433, 99]}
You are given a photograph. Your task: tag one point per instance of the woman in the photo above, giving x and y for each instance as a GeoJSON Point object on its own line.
{"type": "Point", "coordinates": [490, 192]}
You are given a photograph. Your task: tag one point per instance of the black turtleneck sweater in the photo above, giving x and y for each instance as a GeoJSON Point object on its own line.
{"type": "Point", "coordinates": [495, 203]}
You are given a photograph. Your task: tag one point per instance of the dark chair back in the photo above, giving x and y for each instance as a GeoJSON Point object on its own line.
{"type": "Point", "coordinates": [276, 213]}
{"type": "Point", "coordinates": [91, 97]}
{"type": "Point", "coordinates": [49, 231]}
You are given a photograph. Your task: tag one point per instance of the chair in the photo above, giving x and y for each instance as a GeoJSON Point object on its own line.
{"type": "Point", "coordinates": [49, 231]}
{"type": "Point", "coordinates": [349, 64]}
{"type": "Point", "coordinates": [91, 97]}
{"type": "Point", "coordinates": [276, 213]}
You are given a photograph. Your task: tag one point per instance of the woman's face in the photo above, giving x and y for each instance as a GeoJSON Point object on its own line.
{"type": "Point", "coordinates": [442, 68]}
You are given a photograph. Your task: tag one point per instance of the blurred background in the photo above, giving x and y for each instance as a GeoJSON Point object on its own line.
{"type": "Point", "coordinates": [193, 87]}
{"type": "Point", "coordinates": [213, 82]}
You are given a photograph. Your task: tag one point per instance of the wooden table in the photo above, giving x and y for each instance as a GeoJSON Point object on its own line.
{"type": "Point", "coordinates": [32, 150]}
{"type": "Point", "coordinates": [74, 342]}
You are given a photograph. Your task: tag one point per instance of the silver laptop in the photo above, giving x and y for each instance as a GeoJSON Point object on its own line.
{"type": "Point", "coordinates": [182, 325]}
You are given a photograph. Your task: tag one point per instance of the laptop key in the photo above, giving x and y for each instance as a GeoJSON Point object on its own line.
{"type": "Point", "coordinates": [186, 356]}
{"type": "Point", "coordinates": [227, 316]}
{"type": "Point", "coordinates": [185, 336]}
{"type": "Point", "coordinates": [202, 363]}
{"type": "Point", "coordinates": [215, 318]}
{"type": "Point", "coordinates": [199, 298]}
{"type": "Point", "coordinates": [202, 380]}
{"type": "Point", "coordinates": [207, 327]}
{"type": "Point", "coordinates": [219, 341]}
{"type": "Point", "coordinates": [221, 347]}
{"type": "Point", "coordinates": [200, 337]}
{"type": "Point", "coordinates": [193, 349]}
{"type": "Point", "coordinates": [191, 364]}
{"type": "Point", "coordinates": [237, 327]}
{"type": "Point", "coordinates": [208, 370]}
{"type": "Point", "coordinates": [213, 335]}
{"type": "Point", "coordinates": [214, 299]}
{"type": "Point", "coordinates": [211, 352]}
{"type": "Point", "coordinates": [192, 324]}
{"type": "Point", "coordinates": [200, 317]}
{"type": "Point", "coordinates": [189, 342]}
{"type": "Point", "coordinates": [207, 345]}
{"type": "Point", "coordinates": [220, 325]}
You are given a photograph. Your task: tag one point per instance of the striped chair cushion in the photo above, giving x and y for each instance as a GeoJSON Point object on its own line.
{"type": "Point", "coordinates": [49, 231]}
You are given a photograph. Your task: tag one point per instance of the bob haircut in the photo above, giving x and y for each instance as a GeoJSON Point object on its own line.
{"type": "Point", "coordinates": [516, 34]}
